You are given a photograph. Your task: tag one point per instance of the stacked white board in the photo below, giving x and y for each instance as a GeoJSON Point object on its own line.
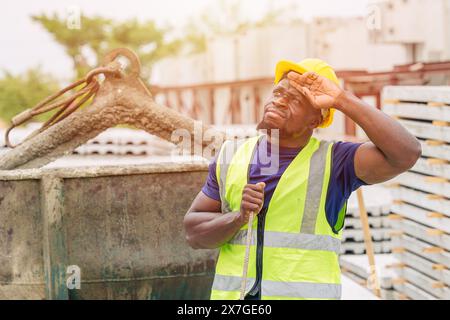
{"type": "Point", "coordinates": [356, 267]}
{"type": "Point", "coordinates": [126, 141]}
{"type": "Point", "coordinates": [351, 290]}
{"type": "Point", "coordinates": [378, 201]}
{"type": "Point", "coordinates": [114, 141]}
{"type": "Point", "coordinates": [421, 210]}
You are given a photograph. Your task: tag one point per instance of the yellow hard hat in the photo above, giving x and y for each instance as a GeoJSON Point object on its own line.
{"type": "Point", "coordinates": [316, 65]}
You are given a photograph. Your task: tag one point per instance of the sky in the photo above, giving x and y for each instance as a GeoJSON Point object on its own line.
{"type": "Point", "coordinates": [25, 44]}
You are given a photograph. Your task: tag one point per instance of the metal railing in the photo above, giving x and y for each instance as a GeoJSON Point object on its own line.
{"type": "Point", "coordinates": [242, 101]}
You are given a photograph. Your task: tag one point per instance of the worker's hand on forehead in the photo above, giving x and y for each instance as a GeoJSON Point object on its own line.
{"type": "Point", "coordinates": [252, 200]}
{"type": "Point", "coordinates": [321, 92]}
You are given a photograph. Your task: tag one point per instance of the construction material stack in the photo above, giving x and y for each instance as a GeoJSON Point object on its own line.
{"type": "Point", "coordinates": [125, 141]}
{"type": "Point", "coordinates": [356, 267]}
{"type": "Point", "coordinates": [421, 210]}
{"type": "Point", "coordinates": [378, 204]}
{"type": "Point", "coordinates": [354, 261]}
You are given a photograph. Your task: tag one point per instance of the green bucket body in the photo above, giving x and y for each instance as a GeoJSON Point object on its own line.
{"type": "Point", "coordinates": [121, 226]}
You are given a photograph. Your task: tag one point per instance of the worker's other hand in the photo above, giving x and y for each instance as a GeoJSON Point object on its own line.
{"type": "Point", "coordinates": [252, 200]}
{"type": "Point", "coordinates": [321, 92]}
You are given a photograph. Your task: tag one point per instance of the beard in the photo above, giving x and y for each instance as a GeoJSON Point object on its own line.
{"type": "Point", "coordinates": [263, 125]}
{"type": "Point", "coordinates": [273, 118]}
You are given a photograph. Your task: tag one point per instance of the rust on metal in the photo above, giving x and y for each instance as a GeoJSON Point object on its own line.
{"type": "Point", "coordinates": [121, 98]}
{"type": "Point", "coordinates": [127, 244]}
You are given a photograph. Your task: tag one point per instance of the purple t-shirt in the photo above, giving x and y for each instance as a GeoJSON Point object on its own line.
{"type": "Point", "coordinates": [343, 180]}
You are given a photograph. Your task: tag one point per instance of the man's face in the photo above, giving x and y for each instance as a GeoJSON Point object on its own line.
{"type": "Point", "coordinates": [289, 111]}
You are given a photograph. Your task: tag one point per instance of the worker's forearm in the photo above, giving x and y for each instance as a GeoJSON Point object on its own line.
{"type": "Point", "coordinates": [400, 148]}
{"type": "Point", "coordinates": [209, 230]}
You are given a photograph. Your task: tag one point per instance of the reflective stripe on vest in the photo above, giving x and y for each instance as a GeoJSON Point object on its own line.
{"type": "Point", "coordinates": [226, 154]}
{"type": "Point", "coordinates": [292, 240]}
{"type": "Point", "coordinates": [314, 191]}
{"type": "Point", "coordinates": [306, 290]}
{"type": "Point", "coordinates": [297, 236]}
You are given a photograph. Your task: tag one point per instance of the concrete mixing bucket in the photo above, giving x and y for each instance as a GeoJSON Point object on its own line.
{"type": "Point", "coordinates": [121, 226]}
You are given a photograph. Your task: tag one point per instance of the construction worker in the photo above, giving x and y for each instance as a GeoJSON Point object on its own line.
{"type": "Point", "coordinates": [301, 205]}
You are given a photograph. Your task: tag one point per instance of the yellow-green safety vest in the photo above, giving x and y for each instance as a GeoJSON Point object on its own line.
{"type": "Point", "coordinates": [300, 257]}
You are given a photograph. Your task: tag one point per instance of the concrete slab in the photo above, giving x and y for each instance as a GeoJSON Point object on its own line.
{"type": "Point", "coordinates": [377, 200]}
{"type": "Point", "coordinates": [412, 292]}
{"type": "Point", "coordinates": [359, 247]}
{"type": "Point", "coordinates": [421, 215]}
{"type": "Point", "coordinates": [422, 199]}
{"type": "Point", "coordinates": [359, 280]}
{"type": "Point", "coordinates": [355, 223]}
{"type": "Point", "coordinates": [436, 151]}
{"type": "Point", "coordinates": [417, 93]}
{"type": "Point", "coordinates": [386, 294]}
{"type": "Point", "coordinates": [425, 283]}
{"type": "Point", "coordinates": [421, 248]}
{"type": "Point", "coordinates": [357, 235]}
{"type": "Point", "coordinates": [417, 111]}
{"type": "Point", "coordinates": [359, 265]}
{"type": "Point", "coordinates": [424, 183]}
{"type": "Point", "coordinates": [427, 130]}
{"type": "Point", "coordinates": [353, 291]}
{"type": "Point", "coordinates": [423, 240]}
{"type": "Point", "coordinates": [437, 170]}
{"type": "Point", "coordinates": [423, 232]}
{"type": "Point", "coordinates": [425, 266]}
{"type": "Point", "coordinates": [400, 296]}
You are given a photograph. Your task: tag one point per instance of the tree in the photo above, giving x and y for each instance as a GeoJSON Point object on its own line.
{"type": "Point", "coordinates": [86, 47]}
{"type": "Point", "coordinates": [20, 92]}
{"type": "Point", "coordinates": [227, 17]}
{"type": "Point", "coordinates": [97, 35]}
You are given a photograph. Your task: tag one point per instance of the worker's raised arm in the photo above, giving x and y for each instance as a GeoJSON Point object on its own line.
{"type": "Point", "coordinates": [207, 228]}
{"type": "Point", "coordinates": [392, 149]}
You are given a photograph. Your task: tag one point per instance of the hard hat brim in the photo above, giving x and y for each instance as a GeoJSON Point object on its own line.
{"type": "Point", "coordinates": [283, 67]}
